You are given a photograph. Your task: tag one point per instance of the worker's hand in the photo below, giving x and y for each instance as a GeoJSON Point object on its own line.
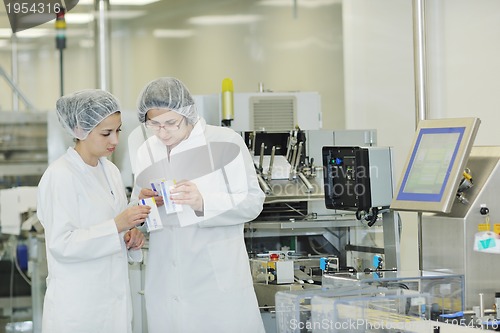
{"type": "Point", "coordinates": [134, 239]}
{"type": "Point", "coordinates": [149, 193]}
{"type": "Point", "coordinates": [186, 193]}
{"type": "Point", "coordinates": [131, 217]}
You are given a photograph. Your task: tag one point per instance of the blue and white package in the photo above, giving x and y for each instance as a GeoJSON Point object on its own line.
{"type": "Point", "coordinates": [153, 221]}
{"type": "Point", "coordinates": [170, 206]}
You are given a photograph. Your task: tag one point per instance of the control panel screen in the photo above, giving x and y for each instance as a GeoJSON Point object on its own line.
{"type": "Point", "coordinates": [435, 165]}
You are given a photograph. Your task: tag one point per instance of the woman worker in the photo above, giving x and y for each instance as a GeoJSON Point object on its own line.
{"type": "Point", "coordinates": [88, 227]}
{"type": "Point", "coordinates": [198, 276]}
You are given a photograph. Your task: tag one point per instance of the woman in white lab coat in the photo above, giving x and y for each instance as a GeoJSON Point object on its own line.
{"type": "Point", "coordinates": [197, 275]}
{"type": "Point", "coordinates": [83, 208]}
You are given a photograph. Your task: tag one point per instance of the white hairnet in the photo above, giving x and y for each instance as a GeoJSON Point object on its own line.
{"type": "Point", "coordinates": [80, 112]}
{"type": "Point", "coordinates": [167, 93]}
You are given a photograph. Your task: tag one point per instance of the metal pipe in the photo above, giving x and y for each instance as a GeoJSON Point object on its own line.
{"type": "Point", "coordinates": [294, 155]}
{"type": "Point", "coordinates": [263, 184]}
{"type": "Point", "coordinates": [420, 64]}
{"type": "Point", "coordinates": [254, 137]}
{"type": "Point", "coordinates": [271, 162]}
{"type": "Point", "coordinates": [15, 72]}
{"type": "Point", "coordinates": [297, 159]}
{"type": "Point", "coordinates": [288, 147]}
{"type": "Point", "coordinates": [420, 69]}
{"type": "Point", "coordinates": [306, 182]}
{"type": "Point", "coordinates": [261, 158]}
{"type": "Point", "coordinates": [481, 306]}
{"type": "Point", "coordinates": [102, 37]}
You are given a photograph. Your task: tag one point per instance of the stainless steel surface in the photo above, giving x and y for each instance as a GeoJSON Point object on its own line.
{"type": "Point", "coordinates": [265, 292]}
{"type": "Point", "coordinates": [381, 176]}
{"type": "Point", "coordinates": [333, 223]}
{"type": "Point", "coordinates": [390, 224]}
{"type": "Point", "coordinates": [283, 190]}
{"type": "Point", "coordinates": [38, 262]}
{"type": "Point", "coordinates": [448, 239]}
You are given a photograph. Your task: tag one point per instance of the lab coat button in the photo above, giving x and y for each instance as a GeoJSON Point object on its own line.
{"type": "Point", "coordinates": [176, 298]}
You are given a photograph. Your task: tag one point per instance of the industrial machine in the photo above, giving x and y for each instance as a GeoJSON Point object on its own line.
{"type": "Point", "coordinates": [297, 237]}
{"type": "Point", "coordinates": [370, 302]}
{"type": "Point", "coordinates": [23, 159]}
{"type": "Point", "coordinates": [264, 111]}
{"type": "Point", "coordinates": [23, 265]}
{"type": "Point", "coordinates": [452, 241]}
{"type": "Point", "coordinates": [453, 185]}
{"type": "Point", "coordinates": [23, 148]}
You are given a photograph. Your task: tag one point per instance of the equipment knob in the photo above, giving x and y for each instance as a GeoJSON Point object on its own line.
{"type": "Point", "coordinates": [484, 211]}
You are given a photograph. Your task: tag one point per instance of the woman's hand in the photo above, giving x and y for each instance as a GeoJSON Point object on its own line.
{"type": "Point", "coordinates": [132, 217]}
{"type": "Point", "coordinates": [186, 193]}
{"type": "Point", "coordinates": [134, 239]}
{"type": "Point", "coordinates": [149, 193]}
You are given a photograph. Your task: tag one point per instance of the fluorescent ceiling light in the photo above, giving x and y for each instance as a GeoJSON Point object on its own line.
{"type": "Point", "coordinates": [28, 33]}
{"type": "Point", "coordinates": [224, 19]}
{"type": "Point", "coordinates": [124, 14]}
{"type": "Point", "coordinates": [76, 18]}
{"type": "Point", "coordinates": [5, 33]}
{"type": "Point", "coordinates": [84, 18]}
{"type": "Point", "coordinates": [120, 2]}
{"type": "Point", "coordinates": [299, 3]}
{"type": "Point", "coordinates": [171, 33]}
{"type": "Point", "coordinates": [86, 43]}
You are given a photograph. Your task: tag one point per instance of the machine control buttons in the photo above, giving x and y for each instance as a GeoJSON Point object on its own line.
{"type": "Point", "coordinates": [484, 210]}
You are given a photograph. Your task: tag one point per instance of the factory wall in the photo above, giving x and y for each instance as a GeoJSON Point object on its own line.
{"type": "Point", "coordinates": [283, 50]}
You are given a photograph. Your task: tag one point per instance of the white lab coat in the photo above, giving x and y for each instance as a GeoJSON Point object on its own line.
{"type": "Point", "coordinates": [87, 286]}
{"type": "Point", "coordinates": [198, 276]}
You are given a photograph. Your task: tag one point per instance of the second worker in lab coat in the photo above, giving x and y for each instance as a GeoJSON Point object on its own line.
{"type": "Point", "coordinates": [197, 275]}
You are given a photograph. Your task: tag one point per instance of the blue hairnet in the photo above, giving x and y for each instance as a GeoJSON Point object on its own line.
{"type": "Point", "coordinates": [79, 113]}
{"type": "Point", "coordinates": [167, 93]}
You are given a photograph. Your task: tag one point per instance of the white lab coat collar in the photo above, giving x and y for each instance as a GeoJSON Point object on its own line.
{"type": "Point", "coordinates": [77, 161]}
{"type": "Point", "coordinates": [74, 157]}
{"type": "Point", "coordinates": [195, 139]}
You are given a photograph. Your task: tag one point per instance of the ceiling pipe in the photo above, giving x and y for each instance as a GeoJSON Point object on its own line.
{"type": "Point", "coordinates": [420, 64]}
{"type": "Point", "coordinates": [421, 99]}
{"type": "Point", "coordinates": [102, 36]}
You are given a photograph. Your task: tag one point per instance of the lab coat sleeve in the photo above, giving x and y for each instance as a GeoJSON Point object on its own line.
{"type": "Point", "coordinates": [68, 239]}
{"type": "Point", "coordinates": [242, 201]}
